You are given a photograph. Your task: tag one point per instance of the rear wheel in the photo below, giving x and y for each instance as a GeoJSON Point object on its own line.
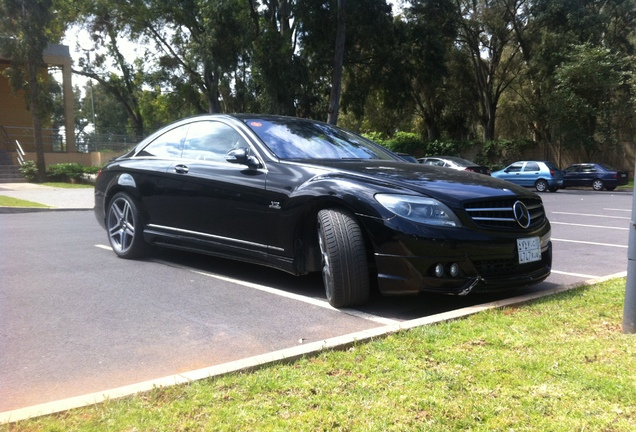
{"type": "Point", "coordinates": [345, 270]}
{"type": "Point", "coordinates": [125, 229]}
{"type": "Point", "coordinates": [541, 185]}
{"type": "Point", "coordinates": [598, 185]}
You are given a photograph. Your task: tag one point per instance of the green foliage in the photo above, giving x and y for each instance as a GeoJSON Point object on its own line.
{"type": "Point", "coordinates": [498, 154]}
{"type": "Point", "coordinates": [65, 172]}
{"type": "Point", "coordinates": [69, 172]}
{"type": "Point", "coordinates": [29, 170]}
{"type": "Point", "coordinates": [401, 142]}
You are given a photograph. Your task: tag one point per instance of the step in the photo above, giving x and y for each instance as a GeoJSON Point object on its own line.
{"type": "Point", "coordinates": [11, 174]}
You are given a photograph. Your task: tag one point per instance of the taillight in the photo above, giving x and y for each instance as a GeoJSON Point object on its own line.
{"type": "Point", "coordinates": [551, 172]}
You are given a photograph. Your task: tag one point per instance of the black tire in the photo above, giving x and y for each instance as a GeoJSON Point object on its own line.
{"type": "Point", "coordinates": [345, 270]}
{"type": "Point", "coordinates": [541, 185]}
{"type": "Point", "coordinates": [598, 185]}
{"type": "Point", "coordinates": [124, 227]}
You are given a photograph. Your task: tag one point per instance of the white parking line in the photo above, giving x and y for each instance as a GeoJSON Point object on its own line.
{"type": "Point", "coordinates": [618, 210]}
{"type": "Point", "coordinates": [592, 215]}
{"type": "Point", "coordinates": [304, 299]}
{"type": "Point", "coordinates": [575, 274]}
{"type": "Point", "coordinates": [589, 226]}
{"type": "Point", "coordinates": [312, 301]}
{"type": "Point", "coordinates": [589, 243]}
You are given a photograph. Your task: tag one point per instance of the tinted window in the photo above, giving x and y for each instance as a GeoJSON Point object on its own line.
{"type": "Point", "coordinates": [515, 167]}
{"type": "Point", "coordinates": [298, 139]}
{"type": "Point", "coordinates": [167, 145]}
{"type": "Point", "coordinates": [531, 166]}
{"type": "Point", "coordinates": [210, 140]}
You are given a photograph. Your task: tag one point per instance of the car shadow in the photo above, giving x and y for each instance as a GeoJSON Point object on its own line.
{"type": "Point", "coordinates": [400, 308]}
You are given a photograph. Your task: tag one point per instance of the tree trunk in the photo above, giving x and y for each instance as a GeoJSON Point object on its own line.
{"type": "Point", "coordinates": [338, 60]}
{"type": "Point", "coordinates": [34, 103]}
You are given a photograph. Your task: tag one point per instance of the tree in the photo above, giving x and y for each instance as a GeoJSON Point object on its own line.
{"type": "Point", "coordinates": [486, 34]}
{"type": "Point", "coordinates": [592, 85]}
{"type": "Point", "coordinates": [27, 24]}
{"type": "Point", "coordinates": [336, 81]}
{"type": "Point", "coordinates": [431, 29]}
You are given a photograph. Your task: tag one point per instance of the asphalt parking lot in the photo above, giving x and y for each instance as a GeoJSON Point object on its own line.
{"type": "Point", "coordinates": [76, 320]}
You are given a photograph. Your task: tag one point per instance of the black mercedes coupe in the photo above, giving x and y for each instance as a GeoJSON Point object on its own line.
{"type": "Point", "coordinates": [304, 196]}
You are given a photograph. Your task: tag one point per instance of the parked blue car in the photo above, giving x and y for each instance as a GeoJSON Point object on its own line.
{"type": "Point", "coordinates": [598, 176]}
{"type": "Point", "coordinates": [542, 175]}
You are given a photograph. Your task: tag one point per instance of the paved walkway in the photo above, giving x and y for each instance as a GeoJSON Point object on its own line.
{"type": "Point", "coordinates": [54, 197]}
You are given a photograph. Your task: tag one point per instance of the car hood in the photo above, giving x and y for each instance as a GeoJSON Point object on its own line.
{"type": "Point", "coordinates": [436, 182]}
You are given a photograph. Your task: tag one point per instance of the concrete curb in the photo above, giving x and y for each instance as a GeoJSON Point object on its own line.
{"type": "Point", "coordinates": [285, 355]}
{"type": "Point", "coordinates": [14, 210]}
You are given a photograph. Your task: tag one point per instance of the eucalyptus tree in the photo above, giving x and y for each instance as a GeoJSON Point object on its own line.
{"type": "Point", "coordinates": [429, 33]}
{"type": "Point", "coordinates": [486, 34]}
{"type": "Point", "coordinates": [557, 37]}
{"type": "Point", "coordinates": [366, 48]}
{"type": "Point", "coordinates": [107, 60]}
{"type": "Point", "coordinates": [592, 86]}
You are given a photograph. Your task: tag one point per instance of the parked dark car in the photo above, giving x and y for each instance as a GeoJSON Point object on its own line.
{"type": "Point", "coordinates": [596, 176]}
{"type": "Point", "coordinates": [542, 175]}
{"type": "Point", "coordinates": [304, 196]}
{"type": "Point", "coordinates": [454, 163]}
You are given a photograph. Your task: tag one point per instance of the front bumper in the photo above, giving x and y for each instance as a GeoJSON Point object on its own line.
{"type": "Point", "coordinates": [406, 255]}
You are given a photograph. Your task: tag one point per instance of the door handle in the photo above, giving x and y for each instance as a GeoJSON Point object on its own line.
{"type": "Point", "coordinates": [181, 169]}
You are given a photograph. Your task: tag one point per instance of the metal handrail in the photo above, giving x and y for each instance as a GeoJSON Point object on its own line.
{"type": "Point", "coordinates": [20, 152]}
{"type": "Point", "coordinates": [5, 141]}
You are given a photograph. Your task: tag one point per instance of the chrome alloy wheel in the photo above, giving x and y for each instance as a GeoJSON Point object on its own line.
{"type": "Point", "coordinates": [121, 225]}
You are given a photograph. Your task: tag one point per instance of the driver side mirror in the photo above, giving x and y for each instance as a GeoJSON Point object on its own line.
{"type": "Point", "coordinates": [243, 156]}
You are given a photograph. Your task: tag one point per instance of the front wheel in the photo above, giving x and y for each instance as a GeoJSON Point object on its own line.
{"type": "Point", "coordinates": [125, 229]}
{"type": "Point", "coordinates": [598, 185]}
{"type": "Point", "coordinates": [541, 185]}
{"type": "Point", "coordinates": [345, 270]}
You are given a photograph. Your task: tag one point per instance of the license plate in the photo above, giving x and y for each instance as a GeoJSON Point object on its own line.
{"type": "Point", "coordinates": [623, 175]}
{"type": "Point", "coordinates": [529, 249]}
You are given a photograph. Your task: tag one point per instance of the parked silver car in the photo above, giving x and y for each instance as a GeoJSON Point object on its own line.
{"type": "Point", "coordinates": [542, 175]}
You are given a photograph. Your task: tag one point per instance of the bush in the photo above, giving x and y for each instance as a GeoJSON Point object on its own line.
{"type": "Point", "coordinates": [65, 172]}
{"type": "Point", "coordinates": [29, 170]}
{"type": "Point", "coordinates": [402, 142]}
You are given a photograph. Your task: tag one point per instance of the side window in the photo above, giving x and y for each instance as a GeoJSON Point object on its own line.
{"type": "Point", "coordinates": [516, 167]}
{"type": "Point", "coordinates": [210, 140]}
{"type": "Point", "coordinates": [168, 145]}
{"type": "Point", "coordinates": [532, 166]}
{"type": "Point", "coordinates": [588, 168]}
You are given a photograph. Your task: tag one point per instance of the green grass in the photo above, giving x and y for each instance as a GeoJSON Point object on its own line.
{"type": "Point", "coordinates": [561, 363]}
{"type": "Point", "coordinates": [68, 185]}
{"type": "Point", "coordinates": [6, 201]}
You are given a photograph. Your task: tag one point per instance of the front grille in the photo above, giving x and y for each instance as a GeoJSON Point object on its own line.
{"type": "Point", "coordinates": [493, 268]}
{"type": "Point", "coordinates": [498, 214]}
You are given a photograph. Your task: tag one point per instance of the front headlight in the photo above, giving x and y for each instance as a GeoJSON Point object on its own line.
{"type": "Point", "coordinates": [419, 209]}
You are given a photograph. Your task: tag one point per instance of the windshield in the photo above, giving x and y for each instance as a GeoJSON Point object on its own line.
{"type": "Point", "coordinates": [291, 138]}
